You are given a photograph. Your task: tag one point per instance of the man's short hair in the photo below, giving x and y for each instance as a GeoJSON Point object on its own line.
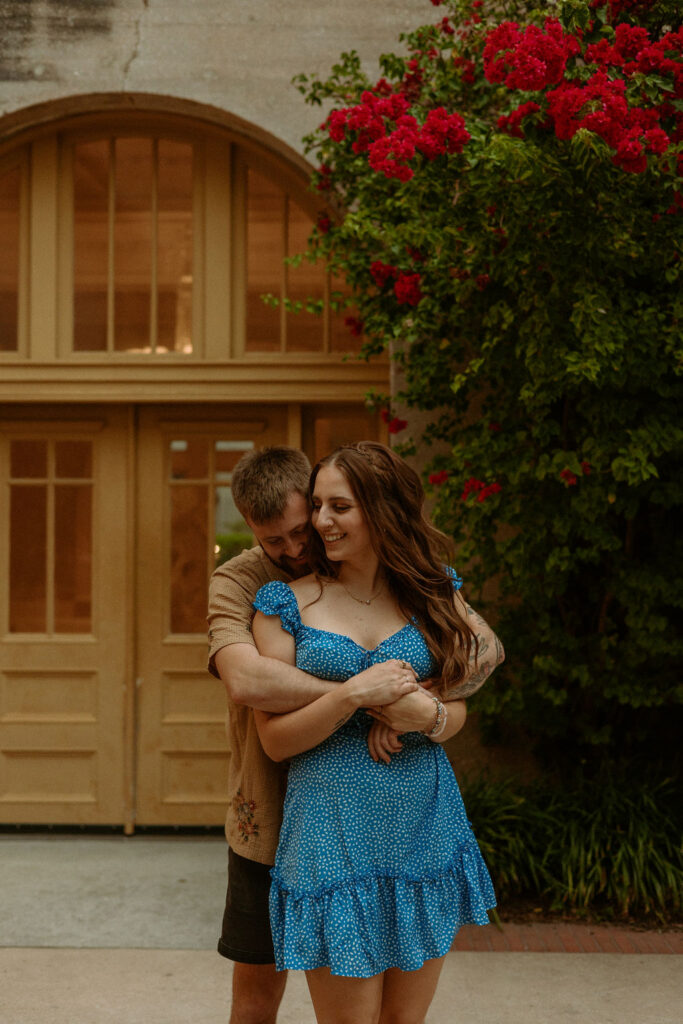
{"type": "Point", "coordinates": [264, 480]}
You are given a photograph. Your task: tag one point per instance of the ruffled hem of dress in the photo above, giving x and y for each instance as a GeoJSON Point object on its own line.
{"type": "Point", "coordinates": [363, 926]}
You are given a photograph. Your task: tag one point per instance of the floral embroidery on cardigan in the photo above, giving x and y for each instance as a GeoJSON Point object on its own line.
{"type": "Point", "coordinates": [244, 811]}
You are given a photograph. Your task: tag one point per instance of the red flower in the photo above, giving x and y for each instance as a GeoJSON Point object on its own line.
{"type": "Point", "coordinates": [512, 122]}
{"type": "Point", "coordinates": [528, 60]}
{"type": "Point", "coordinates": [482, 280]}
{"type": "Point", "coordinates": [407, 289]}
{"type": "Point", "coordinates": [486, 492]}
{"type": "Point", "coordinates": [630, 156]}
{"type": "Point", "coordinates": [385, 415]}
{"type": "Point", "coordinates": [568, 477]}
{"type": "Point", "coordinates": [468, 68]}
{"type": "Point", "coordinates": [325, 178]}
{"type": "Point", "coordinates": [441, 133]}
{"type": "Point", "coordinates": [354, 325]}
{"type": "Point", "coordinates": [471, 486]}
{"type": "Point", "coordinates": [439, 478]}
{"type": "Point", "coordinates": [336, 124]}
{"type": "Point", "coordinates": [656, 140]}
{"type": "Point", "coordinates": [324, 223]}
{"type": "Point", "coordinates": [586, 468]}
{"type": "Point", "coordinates": [494, 427]}
{"type": "Point", "coordinates": [396, 424]}
{"type": "Point", "coordinates": [382, 272]}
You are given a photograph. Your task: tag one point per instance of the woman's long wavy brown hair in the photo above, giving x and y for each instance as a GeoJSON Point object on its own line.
{"type": "Point", "coordinates": [413, 554]}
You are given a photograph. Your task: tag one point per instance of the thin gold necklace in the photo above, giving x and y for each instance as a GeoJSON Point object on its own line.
{"type": "Point", "coordinates": [362, 600]}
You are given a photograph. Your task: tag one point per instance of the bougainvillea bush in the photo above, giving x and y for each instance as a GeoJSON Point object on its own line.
{"type": "Point", "coordinates": [509, 219]}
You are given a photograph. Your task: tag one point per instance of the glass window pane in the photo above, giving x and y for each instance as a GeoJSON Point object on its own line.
{"type": "Point", "coordinates": [189, 540]}
{"type": "Point", "coordinates": [73, 459]}
{"type": "Point", "coordinates": [28, 459]}
{"type": "Point", "coordinates": [227, 455]}
{"type": "Point", "coordinates": [73, 558]}
{"type": "Point", "coordinates": [343, 337]}
{"type": "Point", "coordinates": [305, 282]}
{"type": "Point", "coordinates": [265, 252]}
{"type": "Point", "coordinates": [10, 186]}
{"type": "Point", "coordinates": [28, 559]}
{"type": "Point", "coordinates": [133, 245]}
{"type": "Point", "coordinates": [189, 459]}
{"type": "Point", "coordinates": [91, 245]}
{"type": "Point", "coordinates": [232, 533]}
{"type": "Point", "coordinates": [325, 428]}
{"type": "Point", "coordinates": [174, 239]}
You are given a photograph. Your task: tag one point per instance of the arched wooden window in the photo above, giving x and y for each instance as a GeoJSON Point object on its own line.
{"type": "Point", "coordinates": [145, 239]}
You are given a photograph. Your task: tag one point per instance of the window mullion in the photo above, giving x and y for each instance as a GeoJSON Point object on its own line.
{"type": "Point", "coordinates": [110, 246]}
{"type": "Point", "coordinates": [284, 281]}
{"type": "Point", "coordinates": [154, 269]}
{"type": "Point", "coordinates": [50, 527]}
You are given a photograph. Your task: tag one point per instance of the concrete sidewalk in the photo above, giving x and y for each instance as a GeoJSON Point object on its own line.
{"type": "Point", "coordinates": [102, 929]}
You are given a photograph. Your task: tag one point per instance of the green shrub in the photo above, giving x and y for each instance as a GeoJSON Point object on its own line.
{"type": "Point", "coordinates": [231, 544]}
{"type": "Point", "coordinates": [510, 222]}
{"type": "Point", "coordinates": [609, 847]}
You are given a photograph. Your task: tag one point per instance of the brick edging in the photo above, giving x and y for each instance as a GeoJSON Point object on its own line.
{"type": "Point", "coordinates": [565, 937]}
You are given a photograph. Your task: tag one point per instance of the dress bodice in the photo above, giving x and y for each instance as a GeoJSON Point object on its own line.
{"type": "Point", "coordinates": [336, 656]}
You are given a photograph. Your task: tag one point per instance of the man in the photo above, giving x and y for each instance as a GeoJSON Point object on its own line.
{"type": "Point", "coordinates": [270, 489]}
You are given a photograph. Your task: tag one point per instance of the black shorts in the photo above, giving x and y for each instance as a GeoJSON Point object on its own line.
{"type": "Point", "coordinates": [246, 935]}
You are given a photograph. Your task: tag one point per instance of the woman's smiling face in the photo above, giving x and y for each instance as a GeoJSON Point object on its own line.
{"type": "Point", "coordinates": [338, 517]}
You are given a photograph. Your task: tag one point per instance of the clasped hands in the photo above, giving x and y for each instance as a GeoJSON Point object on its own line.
{"type": "Point", "coordinates": [398, 703]}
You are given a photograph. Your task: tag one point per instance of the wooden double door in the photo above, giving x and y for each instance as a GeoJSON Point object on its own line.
{"type": "Point", "coordinates": [111, 521]}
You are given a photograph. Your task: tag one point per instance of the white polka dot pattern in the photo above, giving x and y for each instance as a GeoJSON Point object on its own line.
{"type": "Point", "coordinates": [377, 866]}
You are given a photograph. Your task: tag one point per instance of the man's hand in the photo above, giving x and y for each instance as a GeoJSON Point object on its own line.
{"type": "Point", "coordinates": [383, 683]}
{"type": "Point", "coordinates": [414, 712]}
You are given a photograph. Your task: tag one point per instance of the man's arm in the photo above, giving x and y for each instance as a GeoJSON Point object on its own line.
{"type": "Point", "coordinates": [266, 684]}
{"type": "Point", "coordinates": [483, 661]}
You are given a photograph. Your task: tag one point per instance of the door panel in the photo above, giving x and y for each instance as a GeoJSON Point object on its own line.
{"type": "Point", "coordinates": [63, 576]}
{"type": "Point", "coordinates": [186, 521]}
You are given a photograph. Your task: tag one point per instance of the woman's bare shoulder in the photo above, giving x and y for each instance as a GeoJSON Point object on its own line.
{"type": "Point", "coordinates": [306, 588]}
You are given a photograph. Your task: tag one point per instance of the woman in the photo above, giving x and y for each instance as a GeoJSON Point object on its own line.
{"type": "Point", "coordinates": [377, 866]}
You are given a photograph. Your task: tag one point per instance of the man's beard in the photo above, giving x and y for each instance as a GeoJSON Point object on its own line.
{"type": "Point", "coordinates": [289, 565]}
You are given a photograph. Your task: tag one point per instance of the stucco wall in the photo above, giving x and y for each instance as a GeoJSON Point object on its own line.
{"type": "Point", "coordinates": [237, 55]}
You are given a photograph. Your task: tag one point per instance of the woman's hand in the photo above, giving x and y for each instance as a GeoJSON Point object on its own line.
{"type": "Point", "coordinates": [381, 684]}
{"type": "Point", "coordinates": [414, 712]}
{"type": "Point", "coordinates": [383, 742]}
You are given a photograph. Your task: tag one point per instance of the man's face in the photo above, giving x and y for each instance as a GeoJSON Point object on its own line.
{"type": "Point", "coordinates": [284, 540]}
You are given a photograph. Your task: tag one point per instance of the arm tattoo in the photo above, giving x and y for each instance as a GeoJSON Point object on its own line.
{"type": "Point", "coordinates": [483, 659]}
{"type": "Point", "coordinates": [478, 621]}
{"type": "Point", "coordinates": [341, 721]}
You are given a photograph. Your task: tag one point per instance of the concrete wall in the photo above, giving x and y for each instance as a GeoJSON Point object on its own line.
{"type": "Point", "coordinates": [236, 55]}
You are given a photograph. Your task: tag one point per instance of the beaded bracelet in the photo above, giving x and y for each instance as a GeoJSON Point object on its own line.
{"type": "Point", "coordinates": [438, 726]}
{"type": "Point", "coordinates": [435, 735]}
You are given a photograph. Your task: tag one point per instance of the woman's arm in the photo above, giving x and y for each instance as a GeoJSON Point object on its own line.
{"type": "Point", "coordinates": [283, 736]}
{"type": "Point", "coordinates": [384, 742]}
{"type": "Point", "coordinates": [456, 715]}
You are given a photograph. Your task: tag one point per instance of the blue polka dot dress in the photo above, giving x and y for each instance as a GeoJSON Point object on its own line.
{"type": "Point", "coordinates": [377, 865]}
